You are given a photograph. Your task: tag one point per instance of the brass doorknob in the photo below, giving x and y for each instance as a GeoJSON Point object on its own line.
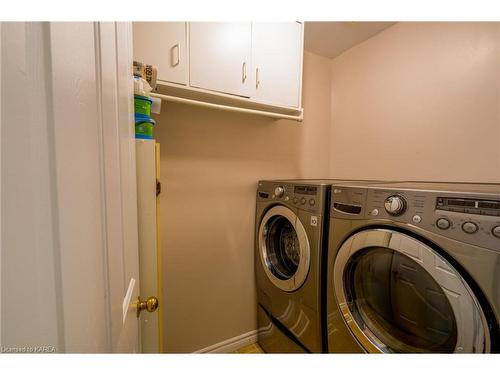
{"type": "Point", "coordinates": [151, 304]}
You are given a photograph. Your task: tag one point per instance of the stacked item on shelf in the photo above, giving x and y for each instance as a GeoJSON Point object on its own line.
{"type": "Point", "coordinates": [143, 121]}
{"type": "Point", "coordinates": [144, 82]}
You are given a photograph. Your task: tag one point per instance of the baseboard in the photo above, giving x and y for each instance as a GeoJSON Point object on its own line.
{"type": "Point", "coordinates": [232, 344]}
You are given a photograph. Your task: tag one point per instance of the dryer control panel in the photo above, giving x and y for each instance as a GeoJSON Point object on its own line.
{"type": "Point", "coordinates": [307, 197]}
{"type": "Point", "coordinates": [470, 217]}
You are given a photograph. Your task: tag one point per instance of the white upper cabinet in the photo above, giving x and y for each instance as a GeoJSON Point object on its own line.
{"type": "Point", "coordinates": [277, 63]}
{"type": "Point", "coordinates": [221, 56]}
{"type": "Point", "coordinates": [256, 65]}
{"type": "Point", "coordinates": [163, 44]}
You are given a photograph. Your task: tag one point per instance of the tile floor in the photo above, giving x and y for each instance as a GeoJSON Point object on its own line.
{"type": "Point", "coordinates": [250, 349]}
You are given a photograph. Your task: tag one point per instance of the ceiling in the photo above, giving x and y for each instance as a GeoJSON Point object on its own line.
{"type": "Point", "coordinates": [330, 39]}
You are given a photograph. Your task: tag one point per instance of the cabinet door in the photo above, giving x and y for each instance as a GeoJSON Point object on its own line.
{"type": "Point", "coordinates": [220, 56]}
{"type": "Point", "coordinates": [277, 63]}
{"type": "Point", "coordinates": [163, 44]}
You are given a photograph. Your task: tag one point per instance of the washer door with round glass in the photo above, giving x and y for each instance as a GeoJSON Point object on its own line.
{"type": "Point", "coordinates": [284, 248]}
{"type": "Point", "coordinates": [398, 295]}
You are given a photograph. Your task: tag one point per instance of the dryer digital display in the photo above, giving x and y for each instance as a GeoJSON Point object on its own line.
{"type": "Point", "coordinates": [467, 205]}
{"type": "Point", "coordinates": [309, 190]}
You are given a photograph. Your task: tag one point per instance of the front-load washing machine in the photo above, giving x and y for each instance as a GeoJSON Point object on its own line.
{"type": "Point", "coordinates": [290, 234]}
{"type": "Point", "coordinates": [414, 268]}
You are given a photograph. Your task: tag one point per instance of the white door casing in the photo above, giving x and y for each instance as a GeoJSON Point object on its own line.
{"type": "Point", "coordinates": [69, 220]}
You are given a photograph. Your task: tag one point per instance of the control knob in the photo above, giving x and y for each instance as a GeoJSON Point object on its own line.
{"type": "Point", "coordinates": [279, 191]}
{"type": "Point", "coordinates": [395, 205]}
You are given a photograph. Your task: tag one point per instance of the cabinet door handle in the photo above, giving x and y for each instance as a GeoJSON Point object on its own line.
{"type": "Point", "coordinates": [244, 72]}
{"type": "Point", "coordinates": [177, 59]}
{"type": "Point", "coordinates": [257, 78]}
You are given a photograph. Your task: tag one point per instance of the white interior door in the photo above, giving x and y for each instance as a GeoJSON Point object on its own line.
{"type": "Point", "coordinates": [277, 62]}
{"type": "Point", "coordinates": [220, 56]}
{"type": "Point", "coordinates": [163, 44]}
{"type": "Point", "coordinates": [69, 252]}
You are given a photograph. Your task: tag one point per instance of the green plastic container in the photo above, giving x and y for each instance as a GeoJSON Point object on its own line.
{"type": "Point", "coordinates": [144, 129]}
{"type": "Point", "coordinates": [142, 105]}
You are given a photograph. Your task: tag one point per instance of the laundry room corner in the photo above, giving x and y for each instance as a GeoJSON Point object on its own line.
{"type": "Point", "coordinates": [211, 161]}
{"type": "Point", "coordinates": [297, 182]}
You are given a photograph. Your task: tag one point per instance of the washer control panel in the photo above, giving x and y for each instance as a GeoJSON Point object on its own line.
{"type": "Point", "coordinates": [305, 197]}
{"type": "Point", "coordinates": [472, 218]}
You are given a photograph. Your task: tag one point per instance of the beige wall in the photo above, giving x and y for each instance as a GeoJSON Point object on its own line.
{"type": "Point", "coordinates": [419, 101]}
{"type": "Point", "coordinates": [210, 164]}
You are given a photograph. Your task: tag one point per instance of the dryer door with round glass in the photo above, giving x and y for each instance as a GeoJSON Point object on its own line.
{"type": "Point", "coordinates": [399, 295]}
{"type": "Point", "coordinates": [284, 248]}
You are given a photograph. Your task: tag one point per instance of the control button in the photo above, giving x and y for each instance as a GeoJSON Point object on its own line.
{"type": "Point", "coordinates": [312, 202]}
{"type": "Point", "coordinates": [303, 201]}
{"type": "Point", "coordinates": [443, 223]}
{"type": "Point", "coordinates": [469, 227]}
{"type": "Point", "coordinates": [496, 231]}
{"type": "Point", "coordinates": [395, 205]}
{"type": "Point", "coordinates": [295, 200]}
{"type": "Point", "coordinates": [416, 219]}
{"type": "Point", "coordinates": [374, 212]}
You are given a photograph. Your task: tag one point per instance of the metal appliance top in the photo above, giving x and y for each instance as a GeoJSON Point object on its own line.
{"type": "Point", "coordinates": [322, 182]}
{"type": "Point", "coordinates": [452, 187]}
